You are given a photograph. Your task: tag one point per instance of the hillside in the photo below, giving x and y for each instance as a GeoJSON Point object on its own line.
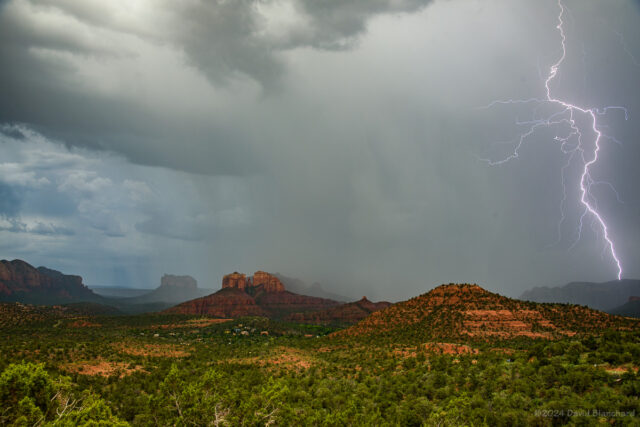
{"type": "Point", "coordinates": [18, 314]}
{"type": "Point", "coordinates": [349, 313]}
{"type": "Point", "coordinates": [468, 311]}
{"type": "Point", "coordinates": [90, 309]}
{"type": "Point", "coordinates": [21, 282]}
{"type": "Point", "coordinates": [224, 303]}
{"type": "Point", "coordinates": [600, 296]}
{"type": "Point", "coordinates": [256, 371]}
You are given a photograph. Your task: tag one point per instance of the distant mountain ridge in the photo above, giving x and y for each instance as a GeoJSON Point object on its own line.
{"type": "Point", "coordinates": [21, 282]}
{"type": "Point", "coordinates": [462, 312]}
{"type": "Point", "coordinates": [630, 309]}
{"type": "Point", "coordinates": [600, 296]}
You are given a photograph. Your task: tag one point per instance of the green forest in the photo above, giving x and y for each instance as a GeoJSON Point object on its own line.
{"type": "Point", "coordinates": [161, 370]}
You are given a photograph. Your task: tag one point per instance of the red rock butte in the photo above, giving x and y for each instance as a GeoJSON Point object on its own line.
{"type": "Point", "coordinates": [259, 295]}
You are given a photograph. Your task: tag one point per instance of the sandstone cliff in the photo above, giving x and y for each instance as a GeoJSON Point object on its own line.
{"type": "Point", "coordinates": [234, 280]}
{"type": "Point", "coordinates": [269, 282]}
{"type": "Point", "coordinates": [21, 282]}
{"type": "Point", "coordinates": [261, 281]}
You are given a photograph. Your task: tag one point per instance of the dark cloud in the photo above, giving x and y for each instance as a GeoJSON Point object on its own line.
{"type": "Point", "coordinates": [226, 38]}
{"type": "Point", "coordinates": [336, 26]}
{"type": "Point", "coordinates": [9, 201]}
{"type": "Point", "coordinates": [12, 132]}
{"type": "Point", "coordinates": [334, 141]}
{"type": "Point", "coordinates": [43, 43]}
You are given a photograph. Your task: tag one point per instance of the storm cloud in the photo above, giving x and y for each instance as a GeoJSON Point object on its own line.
{"type": "Point", "coordinates": [333, 141]}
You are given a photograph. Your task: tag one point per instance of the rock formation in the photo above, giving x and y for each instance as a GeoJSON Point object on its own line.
{"type": "Point", "coordinates": [21, 282]}
{"type": "Point", "coordinates": [269, 282]}
{"type": "Point", "coordinates": [234, 280]}
{"type": "Point", "coordinates": [260, 295]}
{"type": "Point", "coordinates": [261, 281]}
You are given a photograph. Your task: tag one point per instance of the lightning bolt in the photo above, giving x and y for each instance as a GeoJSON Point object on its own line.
{"type": "Point", "coordinates": [579, 120]}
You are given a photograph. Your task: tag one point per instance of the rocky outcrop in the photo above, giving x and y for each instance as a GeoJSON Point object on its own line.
{"type": "Point", "coordinates": [20, 281]}
{"type": "Point", "coordinates": [234, 280]}
{"type": "Point", "coordinates": [269, 282]}
{"type": "Point", "coordinates": [349, 313]}
{"type": "Point", "coordinates": [261, 281]}
{"type": "Point", "coordinates": [260, 295]}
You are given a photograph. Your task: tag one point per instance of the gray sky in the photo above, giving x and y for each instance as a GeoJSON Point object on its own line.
{"type": "Point", "coordinates": [337, 142]}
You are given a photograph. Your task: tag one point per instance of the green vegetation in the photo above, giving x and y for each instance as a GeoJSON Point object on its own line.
{"type": "Point", "coordinates": [183, 370]}
{"type": "Point", "coordinates": [29, 396]}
